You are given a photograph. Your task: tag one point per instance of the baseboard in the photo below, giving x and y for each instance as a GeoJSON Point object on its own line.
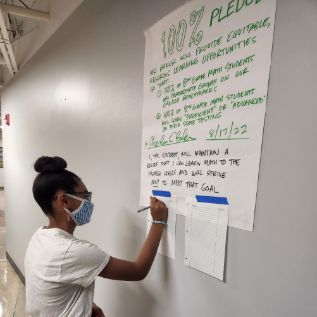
{"type": "Point", "coordinates": [16, 269]}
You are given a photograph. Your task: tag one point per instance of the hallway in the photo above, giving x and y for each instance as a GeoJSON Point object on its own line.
{"type": "Point", "coordinates": [12, 291]}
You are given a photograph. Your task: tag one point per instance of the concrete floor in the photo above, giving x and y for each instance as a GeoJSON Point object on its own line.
{"type": "Point", "coordinates": [12, 291]}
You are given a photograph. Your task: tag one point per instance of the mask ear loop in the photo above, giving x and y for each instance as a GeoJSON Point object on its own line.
{"type": "Point", "coordinates": [67, 211]}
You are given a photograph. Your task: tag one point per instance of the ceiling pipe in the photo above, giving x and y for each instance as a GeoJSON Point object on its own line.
{"type": "Point", "coordinates": [25, 12]}
{"type": "Point", "coordinates": [5, 37]}
{"type": "Point", "coordinates": [5, 52]}
{"type": "Point", "coordinates": [6, 57]}
{"type": "Point", "coordinates": [2, 60]}
{"type": "Point", "coordinates": [24, 4]}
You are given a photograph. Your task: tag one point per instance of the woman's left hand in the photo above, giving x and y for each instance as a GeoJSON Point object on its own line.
{"type": "Point", "coordinates": [97, 311]}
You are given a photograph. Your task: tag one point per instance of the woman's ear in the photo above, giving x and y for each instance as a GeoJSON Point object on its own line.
{"type": "Point", "coordinates": [62, 200]}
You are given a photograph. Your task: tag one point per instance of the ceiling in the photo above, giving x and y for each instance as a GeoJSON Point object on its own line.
{"type": "Point", "coordinates": [17, 19]}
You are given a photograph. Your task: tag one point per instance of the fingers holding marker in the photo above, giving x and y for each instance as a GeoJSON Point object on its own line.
{"type": "Point", "coordinates": [158, 209]}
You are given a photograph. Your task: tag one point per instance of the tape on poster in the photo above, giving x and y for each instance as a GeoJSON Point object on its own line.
{"type": "Point", "coordinates": [212, 200]}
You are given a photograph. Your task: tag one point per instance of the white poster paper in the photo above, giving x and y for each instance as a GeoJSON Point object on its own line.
{"type": "Point", "coordinates": [205, 91]}
{"type": "Point", "coordinates": [167, 244]}
{"type": "Point", "coordinates": [205, 237]}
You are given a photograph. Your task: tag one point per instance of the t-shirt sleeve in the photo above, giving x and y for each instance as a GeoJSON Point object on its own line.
{"type": "Point", "coordinates": [82, 263]}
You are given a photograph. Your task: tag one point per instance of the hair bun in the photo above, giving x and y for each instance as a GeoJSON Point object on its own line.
{"type": "Point", "coordinates": [47, 164]}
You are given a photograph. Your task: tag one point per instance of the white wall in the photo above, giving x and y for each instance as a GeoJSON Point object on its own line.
{"type": "Point", "coordinates": [1, 169]}
{"type": "Point", "coordinates": [1, 177]}
{"type": "Point", "coordinates": [80, 97]}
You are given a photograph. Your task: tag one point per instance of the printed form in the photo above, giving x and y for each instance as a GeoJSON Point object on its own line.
{"type": "Point", "coordinates": [205, 237]}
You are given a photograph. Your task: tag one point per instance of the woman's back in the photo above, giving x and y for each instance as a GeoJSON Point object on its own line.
{"type": "Point", "coordinates": [60, 271]}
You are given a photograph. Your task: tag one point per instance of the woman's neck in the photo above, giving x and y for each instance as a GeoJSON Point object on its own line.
{"type": "Point", "coordinates": [68, 226]}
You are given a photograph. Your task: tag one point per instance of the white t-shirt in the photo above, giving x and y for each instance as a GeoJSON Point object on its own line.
{"type": "Point", "coordinates": [60, 273]}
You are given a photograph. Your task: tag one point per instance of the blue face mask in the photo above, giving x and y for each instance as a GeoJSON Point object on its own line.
{"type": "Point", "coordinates": [82, 214]}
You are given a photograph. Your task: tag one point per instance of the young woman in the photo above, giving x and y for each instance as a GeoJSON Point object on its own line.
{"type": "Point", "coordinates": [60, 269]}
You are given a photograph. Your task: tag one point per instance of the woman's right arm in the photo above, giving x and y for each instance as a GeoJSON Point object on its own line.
{"type": "Point", "coordinates": [118, 269]}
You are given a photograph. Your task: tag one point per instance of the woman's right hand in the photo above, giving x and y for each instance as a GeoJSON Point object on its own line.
{"type": "Point", "coordinates": [159, 210]}
{"type": "Point", "coordinates": [118, 269]}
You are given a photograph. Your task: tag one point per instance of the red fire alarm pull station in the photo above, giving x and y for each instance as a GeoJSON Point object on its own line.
{"type": "Point", "coordinates": [7, 119]}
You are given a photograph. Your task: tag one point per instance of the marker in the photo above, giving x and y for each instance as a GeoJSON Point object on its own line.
{"type": "Point", "coordinates": [145, 208]}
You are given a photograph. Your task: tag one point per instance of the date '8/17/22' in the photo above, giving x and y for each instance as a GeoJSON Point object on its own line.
{"type": "Point", "coordinates": [231, 132]}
